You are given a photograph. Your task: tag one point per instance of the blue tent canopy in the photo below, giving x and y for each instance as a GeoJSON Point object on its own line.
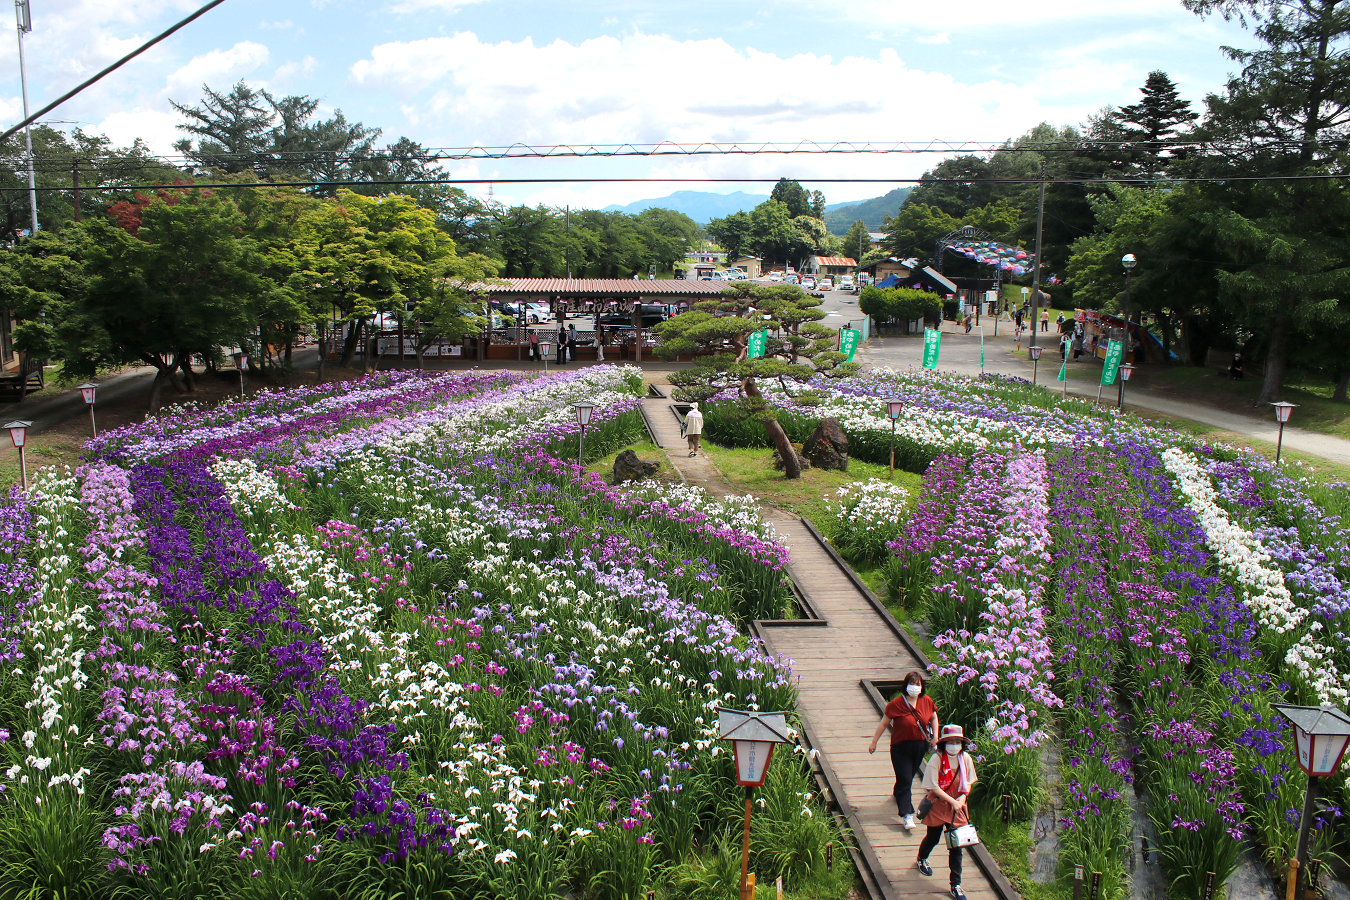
{"type": "Point", "coordinates": [890, 281]}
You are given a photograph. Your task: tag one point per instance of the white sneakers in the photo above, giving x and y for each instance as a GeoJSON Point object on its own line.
{"type": "Point", "coordinates": [909, 822]}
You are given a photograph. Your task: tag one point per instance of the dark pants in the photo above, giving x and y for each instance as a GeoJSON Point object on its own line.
{"type": "Point", "coordinates": [562, 353]}
{"type": "Point", "coordinates": [907, 761]}
{"type": "Point", "coordinates": [930, 840]}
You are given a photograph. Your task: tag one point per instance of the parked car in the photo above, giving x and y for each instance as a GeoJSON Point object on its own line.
{"type": "Point", "coordinates": [825, 284]}
{"type": "Point", "coordinates": [809, 282]}
{"type": "Point", "coordinates": [652, 314]}
{"type": "Point", "coordinates": [845, 282]}
{"type": "Point", "coordinates": [775, 276]}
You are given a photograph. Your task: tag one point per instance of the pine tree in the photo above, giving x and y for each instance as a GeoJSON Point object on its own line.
{"type": "Point", "coordinates": [1156, 121]}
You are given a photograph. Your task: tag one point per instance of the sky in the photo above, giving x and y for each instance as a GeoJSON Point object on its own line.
{"type": "Point", "coordinates": [459, 73]}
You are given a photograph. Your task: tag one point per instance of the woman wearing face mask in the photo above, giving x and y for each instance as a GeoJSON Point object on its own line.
{"type": "Point", "coordinates": [913, 720]}
{"type": "Point", "coordinates": [948, 777]}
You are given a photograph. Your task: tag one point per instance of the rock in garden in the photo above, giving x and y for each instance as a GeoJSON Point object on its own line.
{"type": "Point", "coordinates": [627, 467]}
{"type": "Point", "coordinates": [827, 447]}
{"type": "Point", "coordinates": [802, 461]}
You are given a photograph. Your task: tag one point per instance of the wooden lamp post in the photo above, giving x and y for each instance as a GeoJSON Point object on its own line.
{"type": "Point", "coordinates": [87, 391]}
{"type": "Point", "coordinates": [753, 736]}
{"type": "Point", "coordinates": [894, 406]}
{"type": "Point", "coordinates": [18, 433]}
{"type": "Point", "coordinates": [1034, 352]}
{"type": "Point", "coordinates": [584, 411]}
{"type": "Point", "coordinates": [1283, 409]}
{"type": "Point", "coordinates": [1320, 737]}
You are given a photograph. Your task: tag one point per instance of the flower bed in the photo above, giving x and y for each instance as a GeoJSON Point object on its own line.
{"type": "Point", "coordinates": [384, 638]}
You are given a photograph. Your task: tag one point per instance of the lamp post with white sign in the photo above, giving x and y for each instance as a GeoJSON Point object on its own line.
{"type": "Point", "coordinates": [1320, 738]}
{"type": "Point", "coordinates": [753, 736]}
{"type": "Point", "coordinates": [18, 433]}
{"type": "Point", "coordinates": [894, 407]}
{"type": "Point", "coordinates": [87, 392]}
{"type": "Point", "coordinates": [1283, 409]}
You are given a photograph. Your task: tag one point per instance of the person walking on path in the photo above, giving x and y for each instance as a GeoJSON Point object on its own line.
{"type": "Point", "coordinates": [600, 343]}
{"type": "Point", "coordinates": [1045, 320]}
{"type": "Point", "coordinates": [948, 778]}
{"type": "Point", "coordinates": [913, 719]}
{"type": "Point", "coordinates": [693, 428]}
{"type": "Point", "coordinates": [534, 345]}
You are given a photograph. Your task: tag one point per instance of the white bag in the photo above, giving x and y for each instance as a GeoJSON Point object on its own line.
{"type": "Point", "coordinates": [964, 836]}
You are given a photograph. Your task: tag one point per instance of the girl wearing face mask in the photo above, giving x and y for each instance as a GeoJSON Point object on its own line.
{"type": "Point", "coordinates": [948, 778]}
{"type": "Point", "coordinates": [913, 720]}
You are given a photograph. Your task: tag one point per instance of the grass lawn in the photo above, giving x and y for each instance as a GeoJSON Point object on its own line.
{"type": "Point", "coordinates": [646, 451]}
{"type": "Point", "coordinates": [1316, 412]}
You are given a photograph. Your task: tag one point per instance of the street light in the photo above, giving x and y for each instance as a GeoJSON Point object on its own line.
{"type": "Point", "coordinates": [1283, 409]}
{"type": "Point", "coordinates": [584, 411]}
{"type": "Point", "coordinates": [87, 392]}
{"type": "Point", "coordinates": [18, 433]}
{"type": "Point", "coordinates": [1129, 262]}
{"type": "Point", "coordinates": [1320, 736]}
{"type": "Point", "coordinates": [894, 406]}
{"type": "Point", "coordinates": [240, 361]}
{"type": "Point", "coordinates": [1034, 351]}
{"type": "Point", "coordinates": [752, 736]}
{"type": "Point", "coordinates": [1126, 371]}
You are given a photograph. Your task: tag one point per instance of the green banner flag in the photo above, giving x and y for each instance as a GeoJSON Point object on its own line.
{"type": "Point", "coordinates": [932, 343]}
{"type": "Point", "coordinates": [981, 349]}
{"type": "Point", "coordinates": [848, 341]}
{"type": "Point", "coordinates": [1063, 370]}
{"type": "Point", "coordinates": [755, 347]}
{"type": "Point", "coordinates": [1114, 351]}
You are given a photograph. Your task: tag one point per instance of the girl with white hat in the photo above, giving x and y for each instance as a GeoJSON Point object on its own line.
{"type": "Point", "coordinates": [948, 777]}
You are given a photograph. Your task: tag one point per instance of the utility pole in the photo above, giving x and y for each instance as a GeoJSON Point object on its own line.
{"type": "Point", "coordinates": [568, 220]}
{"type": "Point", "coordinates": [25, 20]}
{"type": "Point", "coordinates": [1036, 271]}
{"type": "Point", "coordinates": [75, 180]}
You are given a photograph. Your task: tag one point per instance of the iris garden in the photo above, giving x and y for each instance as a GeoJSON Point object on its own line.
{"type": "Point", "coordinates": [385, 636]}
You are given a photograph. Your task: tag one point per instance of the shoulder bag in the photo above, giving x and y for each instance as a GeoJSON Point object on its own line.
{"type": "Point", "coordinates": [923, 729]}
{"type": "Point", "coordinates": [963, 836]}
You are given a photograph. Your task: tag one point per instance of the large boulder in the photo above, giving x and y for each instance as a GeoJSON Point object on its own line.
{"type": "Point", "coordinates": [628, 467]}
{"type": "Point", "coordinates": [827, 447]}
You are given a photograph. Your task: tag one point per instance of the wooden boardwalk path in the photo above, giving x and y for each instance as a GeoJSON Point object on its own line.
{"type": "Point", "coordinates": [839, 657]}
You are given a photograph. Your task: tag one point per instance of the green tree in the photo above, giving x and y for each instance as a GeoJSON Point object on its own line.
{"type": "Point", "coordinates": [733, 233]}
{"type": "Point", "coordinates": [792, 195]}
{"type": "Point", "coordinates": [184, 282]}
{"type": "Point", "coordinates": [914, 230]}
{"type": "Point", "coordinates": [722, 327]}
{"type": "Point", "coordinates": [1155, 122]}
{"type": "Point", "coordinates": [818, 204]}
{"type": "Point", "coordinates": [899, 304]}
{"type": "Point", "coordinates": [1287, 242]}
{"type": "Point", "coordinates": [857, 241]}
{"type": "Point", "coordinates": [366, 255]}
{"type": "Point", "coordinates": [453, 306]}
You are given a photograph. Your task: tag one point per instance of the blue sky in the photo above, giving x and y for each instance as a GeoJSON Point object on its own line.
{"type": "Point", "coordinates": [452, 73]}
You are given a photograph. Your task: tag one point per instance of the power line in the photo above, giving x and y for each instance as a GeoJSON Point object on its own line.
{"type": "Point", "coordinates": [110, 69]}
{"type": "Point", "coordinates": [1125, 180]}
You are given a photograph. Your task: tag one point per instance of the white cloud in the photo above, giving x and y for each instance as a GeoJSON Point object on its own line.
{"type": "Point", "coordinates": [290, 71]}
{"type": "Point", "coordinates": [218, 68]}
{"type": "Point", "coordinates": [941, 37]}
{"type": "Point", "coordinates": [275, 26]}
{"type": "Point", "coordinates": [611, 90]}
{"type": "Point", "coordinates": [157, 128]}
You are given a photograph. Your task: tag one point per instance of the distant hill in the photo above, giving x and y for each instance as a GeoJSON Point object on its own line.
{"type": "Point", "coordinates": [839, 217]}
{"type": "Point", "coordinates": [701, 206]}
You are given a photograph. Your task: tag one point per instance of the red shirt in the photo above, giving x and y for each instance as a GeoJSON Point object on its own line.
{"type": "Point", "coordinates": [901, 714]}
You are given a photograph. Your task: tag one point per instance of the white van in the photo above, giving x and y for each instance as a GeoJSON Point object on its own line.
{"type": "Point", "coordinates": [845, 282]}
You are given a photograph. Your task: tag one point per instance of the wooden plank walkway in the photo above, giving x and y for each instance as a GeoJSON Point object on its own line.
{"type": "Point", "coordinates": [832, 659]}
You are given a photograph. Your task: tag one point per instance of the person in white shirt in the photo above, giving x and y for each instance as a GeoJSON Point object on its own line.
{"type": "Point", "coordinates": [693, 428]}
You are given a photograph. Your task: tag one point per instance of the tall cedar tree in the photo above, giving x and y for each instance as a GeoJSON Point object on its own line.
{"type": "Point", "coordinates": [1156, 121]}
{"type": "Point", "coordinates": [801, 348]}
{"type": "Point", "coordinates": [1286, 113]}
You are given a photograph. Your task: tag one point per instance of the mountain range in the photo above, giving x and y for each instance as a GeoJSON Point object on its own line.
{"type": "Point", "coordinates": [701, 206]}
